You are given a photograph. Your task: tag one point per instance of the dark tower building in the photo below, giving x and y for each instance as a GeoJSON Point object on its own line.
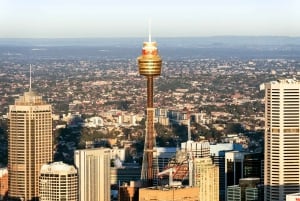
{"type": "Point", "coordinates": [150, 66]}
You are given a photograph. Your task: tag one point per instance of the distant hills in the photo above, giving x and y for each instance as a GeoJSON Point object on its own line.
{"type": "Point", "coordinates": [174, 41]}
{"type": "Point", "coordinates": [170, 48]}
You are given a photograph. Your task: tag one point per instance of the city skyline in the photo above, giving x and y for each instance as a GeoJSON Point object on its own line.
{"type": "Point", "coordinates": [80, 19]}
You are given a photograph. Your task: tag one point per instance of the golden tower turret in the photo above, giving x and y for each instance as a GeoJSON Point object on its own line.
{"type": "Point", "coordinates": [150, 66]}
{"type": "Point", "coordinates": [149, 61]}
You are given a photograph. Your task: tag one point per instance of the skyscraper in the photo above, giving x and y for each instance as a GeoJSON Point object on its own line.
{"type": "Point", "coordinates": [29, 144]}
{"type": "Point", "coordinates": [94, 174]}
{"type": "Point", "coordinates": [282, 139]}
{"type": "Point", "coordinates": [150, 66]}
{"type": "Point", "coordinates": [206, 177]}
{"type": "Point", "coordinates": [58, 181]}
{"type": "Point", "coordinates": [218, 152]}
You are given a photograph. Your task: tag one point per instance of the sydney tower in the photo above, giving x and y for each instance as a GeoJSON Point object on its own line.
{"type": "Point", "coordinates": [150, 66]}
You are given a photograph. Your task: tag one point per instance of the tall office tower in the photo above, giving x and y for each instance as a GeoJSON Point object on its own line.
{"type": "Point", "coordinates": [58, 181]}
{"type": "Point", "coordinates": [194, 150]}
{"type": "Point", "coordinates": [234, 165]}
{"type": "Point", "coordinates": [240, 165]}
{"type": "Point", "coordinates": [29, 144]}
{"type": "Point", "coordinates": [206, 177]}
{"type": "Point", "coordinates": [3, 183]}
{"type": "Point", "coordinates": [282, 139]}
{"type": "Point", "coordinates": [217, 152]}
{"type": "Point", "coordinates": [94, 174]}
{"type": "Point", "coordinates": [150, 66]}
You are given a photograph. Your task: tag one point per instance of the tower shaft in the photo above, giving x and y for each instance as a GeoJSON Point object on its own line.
{"type": "Point", "coordinates": [149, 91]}
{"type": "Point", "coordinates": [150, 130]}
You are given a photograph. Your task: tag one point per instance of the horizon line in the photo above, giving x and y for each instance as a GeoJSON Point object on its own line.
{"type": "Point", "coordinates": [129, 37]}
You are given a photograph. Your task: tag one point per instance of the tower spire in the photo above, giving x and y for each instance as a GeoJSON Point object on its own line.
{"type": "Point", "coordinates": [149, 30]}
{"type": "Point", "coordinates": [30, 78]}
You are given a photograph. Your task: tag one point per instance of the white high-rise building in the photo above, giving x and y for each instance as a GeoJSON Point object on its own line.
{"type": "Point", "coordinates": [29, 144]}
{"type": "Point", "coordinates": [197, 149]}
{"type": "Point", "coordinates": [282, 139]}
{"type": "Point", "coordinates": [94, 174]}
{"type": "Point", "coordinates": [206, 177]}
{"type": "Point", "coordinates": [58, 181]}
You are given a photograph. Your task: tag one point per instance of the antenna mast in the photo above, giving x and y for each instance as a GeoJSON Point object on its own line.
{"type": "Point", "coordinates": [30, 78]}
{"type": "Point", "coordinates": [149, 29]}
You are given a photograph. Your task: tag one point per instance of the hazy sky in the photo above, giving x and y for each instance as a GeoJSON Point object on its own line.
{"type": "Point", "coordinates": [129, 18]}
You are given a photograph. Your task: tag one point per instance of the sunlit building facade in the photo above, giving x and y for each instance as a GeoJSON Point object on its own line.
{"type": "Point", "coordinates": [58, 181]}
{"type": "Point", "coordinates": [3, 183]}
{"type": "Point", "coordinates": [169, 194]}
{"type": "Point", "coordinates": [94, 174]}
{"type": "Point", "coordinates": [29, 144]}
{"type": "Point", "coordinates": [206, 177]}
{"type": "Point", "coordinates": [282, 139]}
{"type": "Point", "coordinates": [197, 149]}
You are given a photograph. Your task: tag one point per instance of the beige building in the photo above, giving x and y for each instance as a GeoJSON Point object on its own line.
{"type": "Point", "coordinates": [169, 194]}
{"type": "Point", "coordinates": [3, 183]}
{"type": "Point", "coordinates": [29, 144]}
{"type": "Point", "coordinates": [282, 139]}
{"type": "Point", "coordinates": [94, 174]}
{"type": "Point", "coordinates": [206, 178]}
{"type": "Point", "coordinates": [58, 181]}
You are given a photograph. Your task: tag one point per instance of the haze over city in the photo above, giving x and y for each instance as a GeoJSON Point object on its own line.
{"type": "Point", "coordinates": [117, 18]}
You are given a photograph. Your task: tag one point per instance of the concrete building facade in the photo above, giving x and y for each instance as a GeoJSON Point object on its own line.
{"type": "Point", "coordinates": [3, 183]}
{"type": "Point", "coordinates": [58, 181]}
{"type": "Point", "coordinates": [206, 178]}
{"type": "Point", "coordinates": [94, 174]}
{"type": "Point", "coordinates": [198, 149]}
{"type": "Point", "coordinates": [282, 139]}
{"type": "Point", "coordinates": [29, 144]}
{"type": "Point", "coordinates": [169, 194]}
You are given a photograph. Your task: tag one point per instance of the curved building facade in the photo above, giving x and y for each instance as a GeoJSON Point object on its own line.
{"type": "Point", "coordinates": [58, 181]}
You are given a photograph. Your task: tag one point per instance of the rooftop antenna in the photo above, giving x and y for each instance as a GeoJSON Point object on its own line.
{"type": "Point", "coordinates": [149, 29]}
{"type": "Point", "coordinates": [30, 78]}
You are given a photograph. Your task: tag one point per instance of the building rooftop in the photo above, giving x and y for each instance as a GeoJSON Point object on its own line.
{"type": "Point", "coordinates": [3, 171]}
{"type": "Point", "coordinates": [58, 168]}
{"type": "Point", "coordinates": [285, 81]}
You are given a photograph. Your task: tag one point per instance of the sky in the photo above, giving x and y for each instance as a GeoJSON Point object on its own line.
{"type": "Point", "coordinates": [129, 18]}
